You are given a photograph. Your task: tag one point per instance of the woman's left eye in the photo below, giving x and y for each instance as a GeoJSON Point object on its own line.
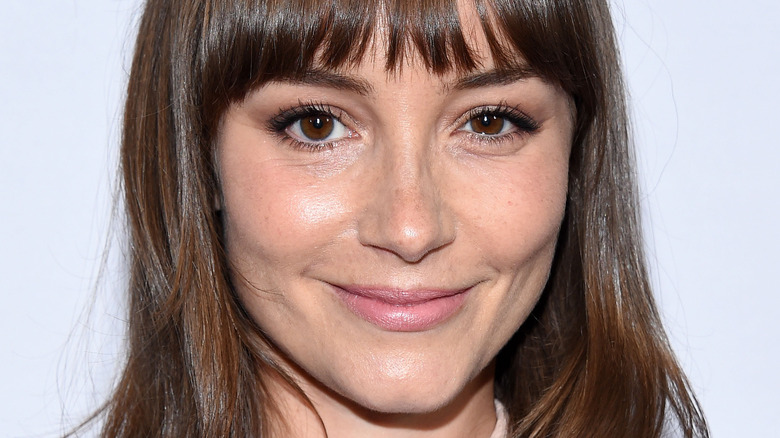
{"type": "Point", "coordinates": [488, 124]}
{"type": "Point", "coordinates": [498, 122]}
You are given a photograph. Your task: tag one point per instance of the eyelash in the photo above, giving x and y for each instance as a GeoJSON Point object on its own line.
{"type": "Point", "coordinates": [524, 124]}
{"type": "Point", "coordinates": [287, 117]}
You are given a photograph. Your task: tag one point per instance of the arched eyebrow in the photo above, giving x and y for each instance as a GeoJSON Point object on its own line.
{"type": "Point", "coordinates": [331, 79]}
{"type": "Point", "coordinates": [490, 78]}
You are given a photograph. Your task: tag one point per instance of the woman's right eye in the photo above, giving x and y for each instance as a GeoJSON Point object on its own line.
{"type": "Point", "coordinates": [318, 128]}
{"type": "Point", "coordinates": [311, 126]}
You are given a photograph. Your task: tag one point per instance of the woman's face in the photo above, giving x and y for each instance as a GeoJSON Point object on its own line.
{"type": "Point", "coordinates": [389, 232]}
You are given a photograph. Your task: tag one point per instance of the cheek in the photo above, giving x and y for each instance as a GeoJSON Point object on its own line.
{"type": "Point", "coordinates": [279, 223]}
{"type": "Point", "coordinates": [275, 215]}
{"type": "Point", "coordinates": [515, 230]}
{"type": "Point", "coordinates": [518, 222]}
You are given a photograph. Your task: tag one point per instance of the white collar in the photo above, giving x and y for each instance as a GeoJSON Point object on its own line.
{"type": "Point", "coordinates": [502, 421]}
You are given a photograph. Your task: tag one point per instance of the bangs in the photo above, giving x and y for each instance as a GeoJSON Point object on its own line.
{"type": "Point", "coordinates": [265, 40]}
{"type": "Point", "coordinates": [243, 44]}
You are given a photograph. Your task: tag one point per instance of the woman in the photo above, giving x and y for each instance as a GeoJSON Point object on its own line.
{"type": "Point", "coordinates": [393, 219]}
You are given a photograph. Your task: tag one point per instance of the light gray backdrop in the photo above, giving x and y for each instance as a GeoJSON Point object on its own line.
{"type": "Point", "coordinates": [704, 82]}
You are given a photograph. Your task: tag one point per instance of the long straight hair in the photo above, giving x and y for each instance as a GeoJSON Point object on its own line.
{"type": "Point", "coordinates": [592, 360]}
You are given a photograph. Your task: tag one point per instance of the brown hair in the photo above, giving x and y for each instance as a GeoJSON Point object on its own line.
{"type": "Point", "coordinates": [591, 360]}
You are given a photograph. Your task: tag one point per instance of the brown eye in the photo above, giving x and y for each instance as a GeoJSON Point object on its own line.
{"type": "Point", "coordinates": [317, 127]}
{"type": "Point", "coordinates": [311, 126]}
{"type": "Point", "coordinates": [487, 124]}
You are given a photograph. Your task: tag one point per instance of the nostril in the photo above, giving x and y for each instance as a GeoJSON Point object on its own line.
{"type": "Point", "coordinates": [415, 243]}
{"type": "Point", "coordinates": [409, 225]}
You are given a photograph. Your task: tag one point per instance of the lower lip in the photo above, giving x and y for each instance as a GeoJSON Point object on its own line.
{"type": "Point", "coordinates": [412, 317]}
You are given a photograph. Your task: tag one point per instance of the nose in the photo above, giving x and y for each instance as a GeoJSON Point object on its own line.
{"type": "Point", "coordinates": [406, 210]}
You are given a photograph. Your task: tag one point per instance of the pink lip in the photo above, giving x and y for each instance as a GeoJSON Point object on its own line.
{"type": "Point", "coordinates": [402, 310]}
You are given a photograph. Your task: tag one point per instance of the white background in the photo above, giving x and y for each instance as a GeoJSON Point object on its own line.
{"type": "Point", "coordinates": [704, 82]}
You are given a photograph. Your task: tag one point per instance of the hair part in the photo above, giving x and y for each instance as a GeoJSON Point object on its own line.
{"type": "Point", "coordinates": [591, 360]}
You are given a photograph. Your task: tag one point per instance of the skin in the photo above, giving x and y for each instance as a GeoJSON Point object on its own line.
{"type": "Point", "coordinates": [406, 198]}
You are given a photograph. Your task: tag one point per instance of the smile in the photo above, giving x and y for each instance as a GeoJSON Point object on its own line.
{"type": "Point", "coordinates": [402, 310]}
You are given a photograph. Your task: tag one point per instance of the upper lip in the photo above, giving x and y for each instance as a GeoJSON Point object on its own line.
{"type": "Point", "coordinates": [400, 297]}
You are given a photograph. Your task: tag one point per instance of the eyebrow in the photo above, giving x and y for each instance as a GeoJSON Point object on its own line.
{"type": "Point", "coordinates": [338, 81]}
{"type": "Point", "coordinates": [493, 77]}
{"type": "Point", "coordinates": [329, 79]}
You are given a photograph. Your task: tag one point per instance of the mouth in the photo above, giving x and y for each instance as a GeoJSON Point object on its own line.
{"type": "Point", "coordinates": [402, 310]}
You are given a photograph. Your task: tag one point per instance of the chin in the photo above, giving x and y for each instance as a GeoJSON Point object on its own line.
{"type": "Point", "coordinates": [396, 402]}
{"type": "Point", "coordinates": [419, 394]}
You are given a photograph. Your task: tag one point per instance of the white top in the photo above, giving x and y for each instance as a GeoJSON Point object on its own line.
{"type": "Point", "coordinates": [502, 421]}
